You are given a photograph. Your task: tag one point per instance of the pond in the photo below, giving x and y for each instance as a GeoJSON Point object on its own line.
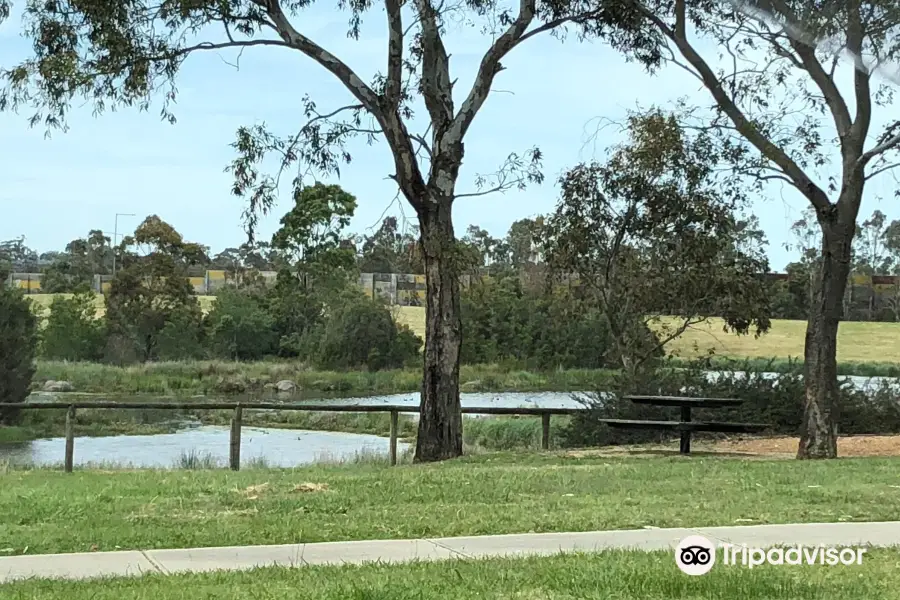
{"type": "Point", "coordinates": [277, 447]}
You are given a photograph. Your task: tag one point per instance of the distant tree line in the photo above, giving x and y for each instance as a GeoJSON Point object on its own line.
{"type": "Point", "coordinates": [393, 248]}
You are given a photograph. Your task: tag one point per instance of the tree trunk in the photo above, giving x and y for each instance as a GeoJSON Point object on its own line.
{"type": "Point", "coordinates": [821, 409]}
{"type": "Point", "coordinates": [440, 417]}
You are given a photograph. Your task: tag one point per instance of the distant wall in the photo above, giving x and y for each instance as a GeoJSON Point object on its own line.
{"type": "Point", "coordinates": [407, 289]}
{"type": "Point", "coordinates": [404, 289]}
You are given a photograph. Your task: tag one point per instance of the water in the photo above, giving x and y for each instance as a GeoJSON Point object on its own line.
{"type": "Point", "coordinates": [284, 447]}
{"type": "Point", "coordinates": [278, 447]}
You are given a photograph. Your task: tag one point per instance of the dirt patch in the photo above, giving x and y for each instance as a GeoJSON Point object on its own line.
{"type": "Point", "coordinates": [857, 445]}
{"type": "Point", "coordinates": [253, 492]}
{"type": "Point", "coordinates": [752, 448]}
{"type": "Point", "coordinates": [311, 487]}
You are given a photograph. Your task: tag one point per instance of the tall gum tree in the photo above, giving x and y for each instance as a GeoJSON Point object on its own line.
{"type": "Point", "coordinates": [126, 53]}
{"type": "Point", "coordinates": [779, 108]}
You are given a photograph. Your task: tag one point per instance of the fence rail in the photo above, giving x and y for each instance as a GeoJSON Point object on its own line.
{"type": "Point", "coordinates": [234, 447]}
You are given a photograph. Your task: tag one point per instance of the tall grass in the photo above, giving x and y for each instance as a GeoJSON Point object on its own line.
{"type": "Point", "coordinates": [227, 378]}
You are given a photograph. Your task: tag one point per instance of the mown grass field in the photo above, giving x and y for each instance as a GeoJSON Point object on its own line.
{"type": "Point", "coordinates": [618, 575]}
{"type": "Point", "coordinates": [49, 511]}
{"type": "Point", "coordinates": [857, 341]}
{"type": "Point", "coordinates": [42, 303]}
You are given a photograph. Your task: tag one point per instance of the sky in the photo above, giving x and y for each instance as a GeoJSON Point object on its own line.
{"type": "Point", "coordinates": [552, 95]}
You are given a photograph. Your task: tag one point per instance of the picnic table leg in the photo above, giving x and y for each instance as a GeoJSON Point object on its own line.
{"type": "Point", "coordinates": [685, 435]}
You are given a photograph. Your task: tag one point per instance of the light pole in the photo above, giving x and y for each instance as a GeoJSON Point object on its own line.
{"type": "Point", "coordinates": [115, 241]}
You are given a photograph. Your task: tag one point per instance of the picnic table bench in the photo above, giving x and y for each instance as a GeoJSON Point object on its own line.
{"type": "Point", "coordinates": [686, 426]}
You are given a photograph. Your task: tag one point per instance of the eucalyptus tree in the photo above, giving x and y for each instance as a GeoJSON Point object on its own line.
{"type": "Point", "coordinates": [126, 53]}
{"type": "Point", "coordinates": [780, 106]}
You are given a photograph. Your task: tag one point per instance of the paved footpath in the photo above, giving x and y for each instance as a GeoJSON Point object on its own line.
{"type": "Point", "coordinates": [138, 562]}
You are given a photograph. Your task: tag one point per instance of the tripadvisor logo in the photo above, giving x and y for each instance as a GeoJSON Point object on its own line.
{"type": "Point", "coordinates": [696, 555]}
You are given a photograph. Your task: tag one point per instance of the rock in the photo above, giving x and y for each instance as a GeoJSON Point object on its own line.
{"type": "Point", "coordinates": [269, 386]}
{"type": "Point", "coordinates": [229, 385]}
{"type": "Point", "coordinates": [471, 386]}
{"type": "Point", "coordinates": [285, 386]}
{"type": "Point", "coordinates": [58, 386]}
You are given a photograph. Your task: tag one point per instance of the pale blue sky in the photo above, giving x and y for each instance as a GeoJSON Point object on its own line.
{"type": "Point", "coordinates": [129, 162]}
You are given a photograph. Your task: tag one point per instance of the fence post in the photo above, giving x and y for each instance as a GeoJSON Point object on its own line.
{"type": "Point", "coordinates": [394, 423]}
{"type": "Point", "coordinates": [545, 431]}
{"type": "Point", "coordinates": [234, 454]}
{"type": "Point", "coordinates": [70, 439]}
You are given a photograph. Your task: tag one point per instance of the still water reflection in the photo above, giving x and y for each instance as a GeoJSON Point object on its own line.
{"type": "Point", "coordinates": [278, 447]}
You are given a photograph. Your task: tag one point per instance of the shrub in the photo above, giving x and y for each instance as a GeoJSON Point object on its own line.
{"type": "Point", "coordinates": [240, 327]}
{"type": "Point", "coordinates": [18, 346]}
{"type": "Point", "coordinates": [362, 332]}
{"type": "Point", "coordinates": [543, 329]}
{"type": "Point", "coordinates": [73, 330]}
{"type": "Point", "coordinates": [772, 398]}
{"type": "Point", "coordinates": [182, 337]}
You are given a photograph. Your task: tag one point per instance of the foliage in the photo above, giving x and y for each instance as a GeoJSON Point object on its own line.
{"type": "Point", "coordinates": [296, 310]}
{"type": "Point", "coordinates": [240, 327]}
{"type": "Point", "coordinates": [388, 250]}
{"type": "Point", "coordinates": [653, 232]}
{"type": "Point", "coordinates": [151, 291]}
{"type": "Point", "coordinates": [543, 328]}
{"type": "Point", "coordinates": [19, 343]}
{"type": "Point", "coordinates": [774, 400]}
{"type": "Point", "coordinates": [360, 332]}
{"type": "Point", "coordinates": [73, 331]}
{"type": "Point", "coordinates": [311, 232]}
{"type": "Point", "coordinates": [74, 269]}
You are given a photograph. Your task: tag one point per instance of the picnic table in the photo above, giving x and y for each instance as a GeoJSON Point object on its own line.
{"type": "Point", "coordinates": [686, 425]}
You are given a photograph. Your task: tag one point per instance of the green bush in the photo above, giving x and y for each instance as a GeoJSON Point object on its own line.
{"type": "Point", "coordinates": [18, 347]}
{"type": "Point", "coordinates": [73, 331]}
{"type": "Point", "coordinates": [240, 327]}
{"type": "Point", "coordinates": [360, 332]}
{"type": "Point", "coordinates": [182, 337]}
{"type": "Point", "coordinates": [540, 329]}
{"type": "Point", "coordinates": [774, 400]}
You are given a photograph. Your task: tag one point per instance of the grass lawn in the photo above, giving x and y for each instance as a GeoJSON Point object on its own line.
{"type": "Point", "coordinates": [617, 575]}
{"type": "Point", "coordinates": [49, 511]}
{"type": "Point", "coordinates": [857, 341]}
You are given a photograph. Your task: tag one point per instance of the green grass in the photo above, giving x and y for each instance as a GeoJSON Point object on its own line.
{"type": "Point", "coordinates": [615, 575]}
{"type": "Point", "coordinates": [49, 511]}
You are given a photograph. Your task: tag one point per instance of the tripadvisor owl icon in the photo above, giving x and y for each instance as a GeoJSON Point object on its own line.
{"type": "Point", "coordinates": [695, 555]}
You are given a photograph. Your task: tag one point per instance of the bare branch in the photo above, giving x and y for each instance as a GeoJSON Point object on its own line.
{"type": "Point", "coordinates": [436, 87]}
{"type": "Point", "coordinates": [749, 130]}
{"type": "Point", "coordinates": [356, 86]}
{"type": "Point", "coordinates": [395, 54]}
{"type": "Point", "coordinates": [490, 66]}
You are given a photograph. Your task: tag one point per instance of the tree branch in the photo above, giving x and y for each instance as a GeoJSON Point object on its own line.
{"type": "Point", "coordinates": [807, 53]}
{"type": "Point", "coordinates": [490, 66]}
{"type": "Point", "coordinates": [798, 177]}
{"type": "Point", "coordinates": [356, 86]}
{"type": "Point", "coordinates": [395, 54]}
{"type": "Point", "coordinates": [436, 87]}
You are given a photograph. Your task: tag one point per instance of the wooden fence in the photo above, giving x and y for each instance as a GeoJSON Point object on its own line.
{"type": "Point", "coordinates": [234, 454]}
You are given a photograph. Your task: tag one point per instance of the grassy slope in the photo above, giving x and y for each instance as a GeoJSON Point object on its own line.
{"type": "Point", "coordinates": [603, 576]}
{"type": "Point", "coordinates": [48, 511]}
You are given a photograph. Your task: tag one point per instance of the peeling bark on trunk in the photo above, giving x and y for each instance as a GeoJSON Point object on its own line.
{"type": "Point", "coordinates": [440, 419]}
{"type": "Point", "coordinates": [819, 429]}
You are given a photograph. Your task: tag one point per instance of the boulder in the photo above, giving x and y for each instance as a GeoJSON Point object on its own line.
{"type": "Point", "coordinates": [58, 386]}
{"type": "Point", "coordinates": [285, 386]}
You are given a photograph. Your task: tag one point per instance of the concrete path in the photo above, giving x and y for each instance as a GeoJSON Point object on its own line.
{"type": "Point", "coordinates": [138, 562]}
